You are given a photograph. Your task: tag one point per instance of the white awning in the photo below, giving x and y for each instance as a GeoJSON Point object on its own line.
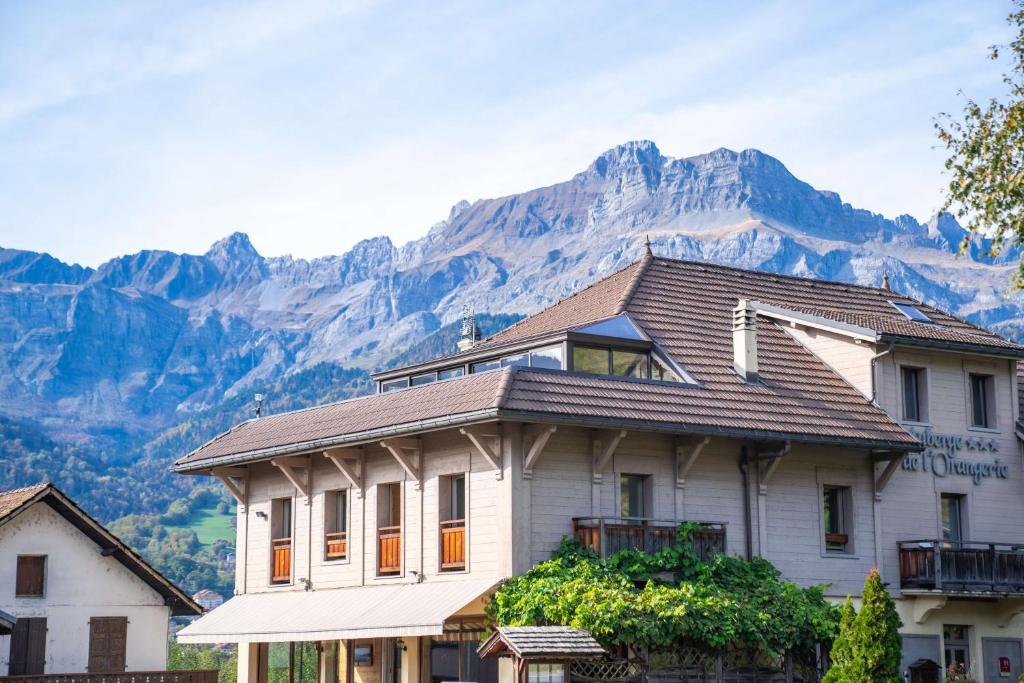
{"type": "Point", "coordinates": [392, 610]}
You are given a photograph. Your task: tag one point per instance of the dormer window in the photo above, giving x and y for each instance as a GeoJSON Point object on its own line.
{"type": "Point", "coordinates": [547, 357]}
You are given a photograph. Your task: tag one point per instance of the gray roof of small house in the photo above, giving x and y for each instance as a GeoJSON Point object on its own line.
{"type": "Point", "coordinates": [542, 642]}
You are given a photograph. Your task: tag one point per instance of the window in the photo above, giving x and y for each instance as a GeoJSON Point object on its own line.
{"type": "Point", "coordinates": [362, 654]}
{"type": "Point", "coordinates": [953, 508]}
{"type": "Point", "coordinates": [633, 495]}
{"type": "Point", "coordinates": [914, 385]}
{"type": "Point", "coordinates": [484, 366]}
{"type": "Point", "coordinates": [30, 580]}
{"type": "Point", "coordinates": [459, 661]}
{"type": "Point", "coordinates": [28, 647]}
{"type": "Point", "coordinates": [394, 384]}
{"type": "Point", "coordinates": [281, 540]}
{"type": "Point", "coordinates": [589, 359]}
{"type": "Point", "coordinates": [837, 519]}
{"type": "Point", "coordinates": [452, 523]}
{"type": "Point", "coordinates": [912, 312]}
{"type": "Point", "coordinates": [661, 371]}
{"type": "Point", "coordinates": [957, 646]}
{"type": "Point", "coordinates": [551, 357]}
{"type": "Point", "coordinates": [425, 378]}
{"type": "Point", "coordinates": [982, 400]}
{"type": "Point", "coordinates": [389, 529]}
{"type": "Point", "coordinates": [519, 359]}
{"type": "Point", "coordinates": [287, 662]}
{"type": "Point", "coordinates": [629, 364]}
{"type": "Point", "coordinates": [336, 525]}
{"type": "Point", "coordinates": [545, 673]}
{"type": "Point", "coordinates": [450, 373]}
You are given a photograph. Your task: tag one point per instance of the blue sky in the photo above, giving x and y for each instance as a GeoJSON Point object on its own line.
{"type": "Point", "coordinates": [311, 125]}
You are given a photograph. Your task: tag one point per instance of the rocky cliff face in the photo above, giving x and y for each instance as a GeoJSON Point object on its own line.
{"type": "Point", "coordinates": [145, 340]}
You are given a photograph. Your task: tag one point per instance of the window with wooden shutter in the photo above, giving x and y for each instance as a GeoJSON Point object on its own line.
{"type": "Point", "coordinates": [108, 640]}
{"type": "Point", "coordinates": [28, 647]}
{"type": "Point", "coordinates": [31, 576]}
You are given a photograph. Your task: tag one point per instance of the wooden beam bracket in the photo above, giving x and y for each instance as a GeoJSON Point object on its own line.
{"type": "Point", "coordinates": [604, 447]}
{"type": "Point", "coordinates": [766, 466]}
{"type": "Point", "coordinates": [409, 454]}
{"type": "Point", "coordinates": [351, 463]}
{"type": "Point", "coordinates": [288, 467]}
{"type": "Point", "coordinates": [491, 452]}
{"type": "Point", "coordinates": [236, 481]}
{"type": "Point", "coordinates": [537, 436]}
{"type": "Point", "coordinates": [687, 452]}
{"type": "Point", "coordinates": [883, 477]}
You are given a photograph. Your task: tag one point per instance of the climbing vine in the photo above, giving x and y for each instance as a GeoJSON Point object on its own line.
{"type": "Point", "coordinates": [669, 599]}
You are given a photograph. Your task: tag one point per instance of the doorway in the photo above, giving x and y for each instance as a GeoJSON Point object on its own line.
{"type": "Point", "coordinates": [1002, 658]}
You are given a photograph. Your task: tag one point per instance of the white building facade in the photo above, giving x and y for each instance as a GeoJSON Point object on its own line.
{"type": "Point", "coordinates": [81, 601]}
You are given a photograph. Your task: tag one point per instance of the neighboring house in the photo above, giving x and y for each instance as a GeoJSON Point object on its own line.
{"type": "Point", "coordinates": [81, 600]}
{"type": "Point", "coordinates": [208, 599]}
{"type": "Point", "coordinates": [826, 427]}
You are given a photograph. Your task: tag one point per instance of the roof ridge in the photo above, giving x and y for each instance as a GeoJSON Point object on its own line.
{"type": "Point", "coordinates": [634, 282]}
{"type": "Point", "coordinates": [22, 489]}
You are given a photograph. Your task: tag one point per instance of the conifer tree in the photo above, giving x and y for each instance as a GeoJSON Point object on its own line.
{"type": "Point", "coordinates": [868, 648]}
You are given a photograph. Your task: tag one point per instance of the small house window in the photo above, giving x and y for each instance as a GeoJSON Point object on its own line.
{"type": "Point", "coordinates": [425, 378]}
{"type": "Point", "coordinates": [453, 522]}
{"type": "Point", "coordinates": [336, 525]}
{"type": "Point", "coordinates": [914, 394]}
{"type": "Point", "coordinates": [550, 357]}
{"type": "Point", "coordinates": [953, 507]}
{"type": "Point", "coordinates": [633, 495]}
{"type": "Point", "coordinates": [982, 400]}
{"type": "Point", "coordinates": [545, 673]}
{"type": "Point", "coordinates": [629, 364]}
{"type": "Point", "coordinates": [837, 519]}
{"type": "Point", "coordinates": [450, 373]}
{"type": "Point", "coordinates": [281, 540]}
{"type": "Point", "coordinates": [590, 359]}
{"type": "Point", "coordinates": [30, 580]}
{"type": "Point", "coordinates": [389, 528]}
{"type": "Point", "coordinates": [394, 384]}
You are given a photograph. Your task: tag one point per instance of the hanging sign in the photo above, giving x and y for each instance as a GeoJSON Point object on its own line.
{"type": "Point", "coordinates": [941, 456]}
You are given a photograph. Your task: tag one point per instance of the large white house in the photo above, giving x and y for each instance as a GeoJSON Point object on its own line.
{"type": "Point", "coordinates": [826, 427]}
{"type": "Point", "coordinates": [75, 597]}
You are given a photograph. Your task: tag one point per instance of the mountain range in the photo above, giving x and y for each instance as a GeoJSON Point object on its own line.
{"type": "Point", "coordinates": [150, 346]}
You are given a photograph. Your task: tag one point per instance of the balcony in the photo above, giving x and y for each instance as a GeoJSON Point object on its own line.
{"type": "Point", "coordinates": [389, 550]}
{"type": "Point", "coordinates": [281, 566]}
{"type": "Point", "coordinates": [336, 545]}
{"type": "Point", "coordinates": [961, 566]}
{"type": "Point", "coordinates": [196, 676]}
{"type": "Point", "coordinates": [453, 545]}
{"type": "Point", "coordinates": [609, 535]}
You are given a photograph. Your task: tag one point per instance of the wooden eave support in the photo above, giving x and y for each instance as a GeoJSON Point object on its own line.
{"type": "Point", "coordinates": [288, 467]}
{"type": "Point", "coordinates": [240, 488]}
{"type": "Point", "coordinates": [537, 436]}
{"type": "Point", "coordinates": [350, 462]}
{"type": "Point", "coordinates": [604, 447]}
{"type": "Point", "coordinates": [893, 460]}
{"type": "Point", "coordinates": [491, 452]}
{"type": "Point", "coordinates": [409, 454]}
{"type": "Point", "coordinates": [768, 462]}
{"type": "Point", "coordinates": [687, 452]}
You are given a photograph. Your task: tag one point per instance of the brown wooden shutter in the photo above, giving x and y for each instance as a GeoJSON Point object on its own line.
{"type": "Point", "coordinates": [29, 579]}
{"type": "Point", "coordinates": [108, 644]}
{"type": "Point", "coordinates": [28, 647]}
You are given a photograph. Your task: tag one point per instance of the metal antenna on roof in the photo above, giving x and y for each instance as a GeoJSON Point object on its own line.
{"type": "Point", "coordinates": [647, 246]}
{"type": "Point", "coordinates": [470, 333]}
{"type": "Point", "coordinates": [885, 280]}
{"type": "Point", "coordinates": [259, 404]}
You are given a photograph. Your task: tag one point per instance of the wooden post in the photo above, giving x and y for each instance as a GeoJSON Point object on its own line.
{"type": "Point", "coordinates": [937, 558]}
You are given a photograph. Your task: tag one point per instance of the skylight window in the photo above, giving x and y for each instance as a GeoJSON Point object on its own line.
{"type": "Point", "coordinates": [912, 312]}
{"type": "Point", "coordinates": [620, 327]}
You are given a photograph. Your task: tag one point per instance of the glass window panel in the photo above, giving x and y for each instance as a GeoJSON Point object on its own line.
{"type": "Point", "coordinates": [444, 662]}
{"type": "Point", "coordinates": [393, 384]}
{"type": "Point", "coordinates": [981, 397]}
{"type": "Point", "coordinates": [518, 359]}
{"type": "Point", "coordinates": [632, 495]}
{"type": "Point", "coordinates": [661, 371]}
{"type": "Point", "coordinates": [278, 662]}
{"type": "Point", "coordinates": [450, 373]}
{"type": "Point", "coordinates": [629, 364]}
{"type": "Point", "coordinates": [836, 518]}
{"type": "Point", "coordinates": [952, 517]}
{"type": "Point", "coordinates": [911, 312]}
{"type": "Point", "coordinates": [590, 359]}
{"type": "Point", "coordinates": [425, 378]}
{"type": "Point", "coordinates": [458, 501]}
{"type": "Point", "coordinates": [304, 663]}
{"type": "Point", "coordinates": [550, 357]}
{"type": "Point", "coordinates": [485, 365]}
{"type": "Point", "coordinates": [911, 394]}
{"type": "Point", "coordinates": [619, 326]}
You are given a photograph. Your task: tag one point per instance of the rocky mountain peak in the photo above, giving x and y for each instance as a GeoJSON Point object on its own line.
{"type": "Point", "coordinates": [235, 247]}
{"type": "Point", "coordinates": [634, 154]}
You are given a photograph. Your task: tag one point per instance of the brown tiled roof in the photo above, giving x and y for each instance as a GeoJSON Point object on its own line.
{"type": "Point", "coordinates": [685, 307]}
{"type": "Point", "coordinates": [14, 501]}
{"type": "Point", "coordinates": [466, 395]}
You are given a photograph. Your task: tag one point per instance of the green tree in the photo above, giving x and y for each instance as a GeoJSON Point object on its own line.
{"type": "Point", "coordinates": [869, 648]}
{"type": "Point", "coordinates": [986, 161]}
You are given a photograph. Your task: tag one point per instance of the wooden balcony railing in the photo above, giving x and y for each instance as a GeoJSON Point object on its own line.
{"type": "Point", "coordinates": [389, 550]}
{"type": "Point", "coordinates": [336, 545]}
{"type": "Point", "coordinates": [961, 566]}
{"type": "Point", "coordinates": [281, 565]}
{"type": "Point", "coordinates": [609, 535]}
{"type": "Point", "coordinates": [197, 676]}
{"type": "Point", "coordinates": [453, 544]}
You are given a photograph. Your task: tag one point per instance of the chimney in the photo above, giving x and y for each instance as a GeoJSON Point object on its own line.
{"type": "Point", "coordinates": [744, 340]}
{"type": "Point", "coordinates": [470, 333]}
